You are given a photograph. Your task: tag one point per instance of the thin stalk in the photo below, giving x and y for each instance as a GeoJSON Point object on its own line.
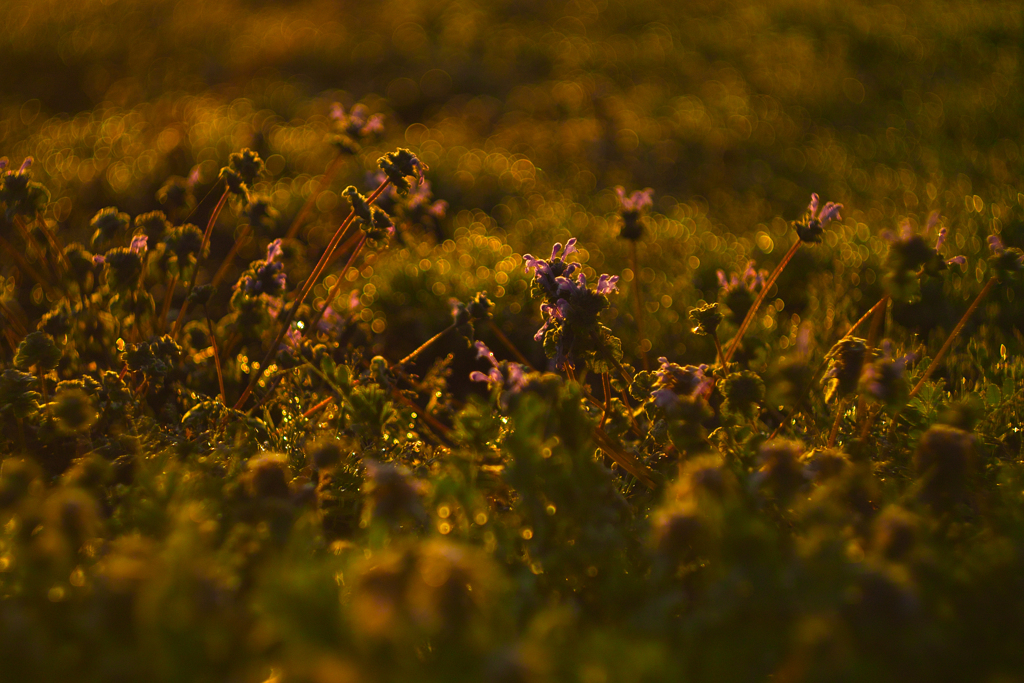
{"type": "Point", "coordinates": [835, 425]}
{"type": "Point", "coordinates": [719, 354]}
{"type": "Point", "coordinates": [752, 313]}
{"type": "Point", "coordinates": [318, 407]}
{"type": "Point", "coordinates": [876, 324]}
{"type": "Point", "coordinates": [13, 321]}
{"type": "Point", "coordinates": [509, 345]}
{"type": "Point", "coordinates": [162, 322]}
{"type": "Point", "coordinates": [624, 460]}
{"type": "Point", "coordinates": [195, 272]}
{"type": "Point", "coordinates": [336, 289]}
{"type": "Point", "coordinates": [606, 386]}
{"type": "Point", "coordinates": [24, 266]}
{"type": "Point", "coordinates": [821, 366]}
{"type": "Point", "coordinates": [328, 177]}
{"type": "Point", "coordinates": [306, 288]}
{"type": "Point", "coordinates": [47, 268]}
{"type": "Point", "coordinates": [425, 345]}
{"type": "Point", "coordinates": [55, 243]}
{"type": "Point", "coordinates": [952, 336]}
{"type": "Point", "coordinates": [638, 302]}
{"type": "Point", "coordinates": [216, 360]}
{"type": "Point", "coordinates": [226, 263]}
{"type": "Point", "coordinates": [42, 383]}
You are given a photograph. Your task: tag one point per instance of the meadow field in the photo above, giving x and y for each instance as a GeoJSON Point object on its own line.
{"type": "Point", "coordinates": [511, 340]}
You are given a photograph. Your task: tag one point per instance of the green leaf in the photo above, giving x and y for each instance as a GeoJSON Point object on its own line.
{"type": "Point", "coordinates": [992, 395]}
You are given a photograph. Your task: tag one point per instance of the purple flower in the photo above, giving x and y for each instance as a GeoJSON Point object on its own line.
{"type": "Point", "coordinates": [99, 259]}
{"type": "Point", "coordinates": [638, 201]}
{"type": "Point", "coordinates": [3, 163]}
{"type": "Point", "coordinates": [274, 251]}
{"type": "Point", "coordinates": [139, 244]}
{"type": "Point", "coordinates": [606, 284]}
{"type": "Point", "coordinates": [26, 164]}
{"type": "Point", "coordinates": [507, 377]}
{"type": "Point", "coordinates": [828, 213]}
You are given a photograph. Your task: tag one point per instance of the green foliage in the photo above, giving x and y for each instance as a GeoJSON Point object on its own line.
{"type": "Point", "coordinates": [215, 467]}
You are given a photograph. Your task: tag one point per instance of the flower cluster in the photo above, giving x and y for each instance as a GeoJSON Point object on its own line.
{"type": "Point", "coordinates": [504, 377]}
{"type": "Point", "coordinates": [812, 225]}
{"type": "Point", "coordinates": [266, 276]}
{"type": "Point", "coordinates": [738, 292]}
{"type": "Point", "coordinates": [355, 127]}
{"type": "Point", "coordinates": [570, 309]}
{"type": "Point", "coordinates": [911, 257]}
{"type": "Point", "coordinates": [631, 208]}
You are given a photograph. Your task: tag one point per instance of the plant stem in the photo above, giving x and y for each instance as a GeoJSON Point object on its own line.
{"type": "Point", "coordinates": [226, 263]}
{"type": "Point", "coordinates": [195, 271]}
{"type": "Point", "coordinates": [336, 289]}
{"type": "Point", "coordinates": [835, 425]}
{"type": "Point", "coordinates": [329, 175]}
{"type": "Point", "coordinates": [424, 346]}
{"type": "Point", "coordinates": [167, 301]}
{"type": "Point", "coordinates": [216, 360]}
{"type": "Point", "coordinates": [638, 303]}
{"type": "Point", "coordinates": [13, 321]}
{"type": "Point", "coordinates": [752, 313]}
{"type": "Point", "coordinates": [952, 336]}
{"type": "Point", "coordinates": [306, 288]}
{"type": "Point", "coordinates": [509, 345]}
{"type": "Point", "coordinates": [876, 323]}
{"type": "Point", "coordinates": [24, 266]}
{"type": "Point", "coordinates": [55, 243]}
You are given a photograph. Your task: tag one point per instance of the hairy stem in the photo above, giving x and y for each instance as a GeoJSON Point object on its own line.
{"type": "Point", "coordinates": [306, 288]}
{"type": "Point", "coordinates": [752, 313]}
{"type": "Point", "coordinates": [952, 336]}
{"type": "Point", "coordinates": [328, 177]}
{"type": "Point", "coordinates": [195, 271]}
{"type": "Point", "coordinates": [425, 345]}
{"type": "Point", "coordinates": [638, 303]}
{"type": "Point", "coordinates": [509, 345]}
{"type": "Point", "coordinates": [216, 360]}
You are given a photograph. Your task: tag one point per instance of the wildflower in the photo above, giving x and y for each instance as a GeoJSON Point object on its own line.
{"type": "Point", "coordinates": [123, 267]}
{"type": "Point", "coordinates": [1006, 261]}
{"type": "Point", "coordinates": [706, 319]}
{"type": "Point", "coordinates": [478, 308]}
{"type": "Point", "coordinates": [19, 193]}
{"type": "Point", "coordinates": [811, 226]}
{"type": "Point", "coordinates": [37, 350]}
{"type": "Point", "coordinates": [743, 392]}
{"type": "Point", "coordinates": [739, 292]}
{"type": "Point", "coordinates": [845, 362]}
{"type": "Point", "coordinates": [139, 244]}
{"type": "Point", "coordinates": [259, 211]}
{"type": "Point", "coordinates": [393, 493]}
{"type": "Point", "coordinates": [883, 380]}
{"type": "Point", "coordinates": [910, 257]}
{"type": "Point", "coordinates": [153, 225]}
{"type": "Point", "coordinates": [108, 224]}
{"type": "Point", "coordinates": [419, 200]}
{"type": "Point", "coordinates": [895, 533]}
{"type": "Point", "coordinates": [201, 295]}
{"type": "Point", "coordinates": [507, 378]}
{"type": "Point", "coordinates": [185, 241]}
{"type": "Point", "coordinates": [267, 476]}
{"type": "Point", "coordinates": [325, 454]}
{"type": "Point", "coordinates": [176, 193]}
{"type": "Point", "coordinates": [380, 226]}
{"type": "Point", "coordinates": [944, 461]}
{"type": "Point", "coordinates": [266, 276]}
{"type": "Point", "coordinates": [674, 382]}
{"type": "Point", "coordinates": [546, 272]}
{"type": "Point", "coordinates": [17, 396]}
{"type": "Point", "coordinates": [73, 411]}
{"type": "Point", "coordinates": [630, 209]}
{"type": "Point", "coordinates": [571, 309]}
{"type": "Point", "coordinates": [822, 464]}
{"type": "Point", "coordinates": [355, 127]}
{"type": "Point", "coordinates": [247, 164]}
{"type": "Point", "coordinates": [779, 468]}
{"type": "Point", "coordinates": [399, 165]}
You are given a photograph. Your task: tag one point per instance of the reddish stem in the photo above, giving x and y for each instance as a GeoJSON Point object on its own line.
{"type": "Point", "coordinates": [752, 313]}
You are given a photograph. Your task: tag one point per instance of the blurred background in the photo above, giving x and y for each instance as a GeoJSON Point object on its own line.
{"type": "Point", "coordinates": [747, 105]}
